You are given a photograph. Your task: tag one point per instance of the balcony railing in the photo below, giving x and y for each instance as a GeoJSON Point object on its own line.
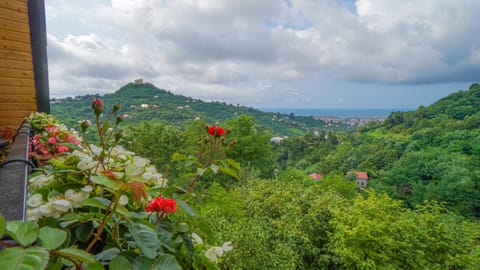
{"type": "Point", "coordinates": [13, 176]}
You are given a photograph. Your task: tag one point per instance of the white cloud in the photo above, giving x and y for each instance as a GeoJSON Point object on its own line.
{"type": "Point", "coordinates": [227, 49]}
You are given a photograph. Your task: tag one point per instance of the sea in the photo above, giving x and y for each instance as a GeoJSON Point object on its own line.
{"type": "Point", "coordinates": [341, 113]}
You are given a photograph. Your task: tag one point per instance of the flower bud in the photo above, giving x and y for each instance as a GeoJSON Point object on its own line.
{"type": "Point", "coordinates": [118, 135]}
{"type": "Point", "coordinates": [116, 107]}
{"type": "Point", "coordinates": [85, 124]}
{"type": "Point", "coordinates": [97, 106]}
{"type": "Point", "coordinates": [120, 118]}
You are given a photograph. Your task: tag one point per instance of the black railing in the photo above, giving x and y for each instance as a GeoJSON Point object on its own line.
{"type": "Point", "coordinates": [13, 176]}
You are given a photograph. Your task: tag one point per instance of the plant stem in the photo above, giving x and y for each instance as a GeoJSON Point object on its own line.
{"type": "Point", "coordinates": [106, 217]}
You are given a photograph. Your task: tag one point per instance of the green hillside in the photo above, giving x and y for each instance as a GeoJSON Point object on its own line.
{"type": "Point", "coordinates": [431, 153]}
{"type": "Point", "coordinates": [177, 110]}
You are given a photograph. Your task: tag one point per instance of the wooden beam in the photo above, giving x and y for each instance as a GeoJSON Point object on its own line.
{"type": "Point", "coordinates": [18, 107]}
{"type": "Point", "coordinates": [15, 55]}
{"type": "Point", "coordinates": [16, 73]}
{"type": "Point", "coordinates": [23, 27]}
{"type": "Point", "coordinates": [16, 46]}
{"type": "Point", "coordinates": [16, 64]}
{"type": "Point", "coordinates": [17, 99]}
{"type": "Point", "coordinates": [14, 35]}
{"type": "Point", "coordinates": [17, 90]}
{"type": "Point", "coordinates": [15, 114]}
{"type": "Point", "coordinates": [4, 81]}
{"type": "Point", "coordinates": [15, 5]}
{"type": "Point", "coordinates": [17, 16]}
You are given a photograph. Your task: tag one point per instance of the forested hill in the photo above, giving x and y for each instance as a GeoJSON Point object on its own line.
{"type": "Point", "coordinates": [459, 106]}
{"type": "Point", "coordinates": [145, 102]}
{"type": "Point", "coordinates": [431, 153]}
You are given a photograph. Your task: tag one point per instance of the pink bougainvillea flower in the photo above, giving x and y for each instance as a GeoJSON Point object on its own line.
{"type": "Point", "coordinates": [161, 204]}
{"type": "Point", "coordinates": [216, 131]}
{"type": "Point", "coordinates": [62, 149]}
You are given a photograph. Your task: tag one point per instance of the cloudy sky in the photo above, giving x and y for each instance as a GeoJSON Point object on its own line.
{"type": "Point", "coordinates": [275, 53]}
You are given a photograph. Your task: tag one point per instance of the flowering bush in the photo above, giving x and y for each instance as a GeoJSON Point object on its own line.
{"type": "Point", "coordinates": [102, 206]}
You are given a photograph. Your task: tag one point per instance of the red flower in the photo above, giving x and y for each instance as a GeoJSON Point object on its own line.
{"type": "Point", "coordinates": [160, 204]}
{"type": "Point", "coordinates": [216, 131]}
{"type": "Point", "coordinates": [97, 106]}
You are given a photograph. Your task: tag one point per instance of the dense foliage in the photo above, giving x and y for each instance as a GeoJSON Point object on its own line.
{"type": "Point", "coordinates": [428, 154]}
{"type": "Point", "coordinates": [420, 210]}
{"type": "Point", "coordinates": [145, 102]}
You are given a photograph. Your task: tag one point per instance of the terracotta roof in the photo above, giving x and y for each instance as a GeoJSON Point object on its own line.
{"type": "Point", "coordinates": [361, 175]}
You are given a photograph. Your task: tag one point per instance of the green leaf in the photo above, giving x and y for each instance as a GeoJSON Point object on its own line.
{"type": "Point", "coordinates": [104, 181]}
{"type": "Point", "coordinates": [122, 210]}
{"type": "Point", "coordinates": [178, 157]}
{"type": "Point", "coordinates": [2, 225]}
{"type": "Point", "coordinates": [101, 203]}
{"type": "Point", "coordinates": [146, 238]}
{"type": "Point", "coordinates": [181, 227]}
{"type": "Point", "coordinates": [120, 263]}
{"type": "Point", "coordinates": [214, 168]}
{"type": "Point", "coordinates": [92, 266]}
{"type": "Point", "coordinates": [18, 258]}
{"type": "Point", "coordinates": [24, 233]}
{"type": "Point", "coordinates": [187, 241]}
{"type": "Point", "coordinates": [186, 207]}
{"type": "Point", "coordinates": [234, 164]}
{"type": "Point", "coordinates": [105, 128]}
{"type": "Point", "coordinates": [107, 255]}
{"type": "Point", "coordinates": [166, 241]}
{"type": "Point", "coordinates": [84, 231]}
{"type": "Point", "coordinates": [76, 254]}
{"type": "Point", "coordinates": [229, 172]}
{"type": "Point", "coordinates": [200, 171]}
{"type": "Point", "coordinates": [52, 238]}
{"type": "Point", "coordinates": [142, 263]}
{"type": "Point", "coordinates": [167, 262]}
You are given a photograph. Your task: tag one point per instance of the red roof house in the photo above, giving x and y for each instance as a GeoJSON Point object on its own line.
{"type": "Point", "coordinates": [361, 178]}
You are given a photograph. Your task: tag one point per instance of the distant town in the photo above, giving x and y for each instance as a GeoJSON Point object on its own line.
{"type": "Point", "coordinates": [351, 121]}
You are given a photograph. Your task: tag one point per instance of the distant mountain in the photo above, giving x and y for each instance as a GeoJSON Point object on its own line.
{"type": "Point", "coordinates": [145, 102]}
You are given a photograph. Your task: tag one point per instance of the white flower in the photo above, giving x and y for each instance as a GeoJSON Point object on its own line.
{"type": "Point", "coordinates": [133, 170]}
{"type": "Point", "coordinates": [87, 189]}
{"type": "Point", "coordinates": [140, 161]}
{"type": "Point", "coordinates": [80, 154]}
{"type": "Point", "coordinates": [152, 174]}
{"type": "Point", "coordinates": [210, 254]}
{"type": "Point", "coordinates": [33, 214]}
{"type": "Point", "coordinates": [62, 205]}
{"type": "Point", "coordinates": [123, 200]}
{"type": "Point", "coordinates": [35, 200]}
{"type": "Point", "coordinates": [227, 246]}
{"type": "Point", "coordinates": [86, 163]}
{"type": "Point", "coordinates": [214, 253]}
{"type": "Point", "coordinates": [46, 209]}
{"type": "Point", "coordinates": [162, 182]}
{"type": "Point", "coordinates": [95, 149]}
{"type": "Point", "coordinates": [120, 152]}
{"type": "Point", "coordinates": [40, 180]}
{"type": "Point", "coordinates": [76, 197]}
{"type": "Point", "coordinates": [197, 239]}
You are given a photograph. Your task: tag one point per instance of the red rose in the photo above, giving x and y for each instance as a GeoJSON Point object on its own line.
{"type": "Point", "coordinates": [160, 204]}
{"type": "Point", "coordinates": [216, 131]}
{"type": "Point", "coordinates": [97, 106]}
